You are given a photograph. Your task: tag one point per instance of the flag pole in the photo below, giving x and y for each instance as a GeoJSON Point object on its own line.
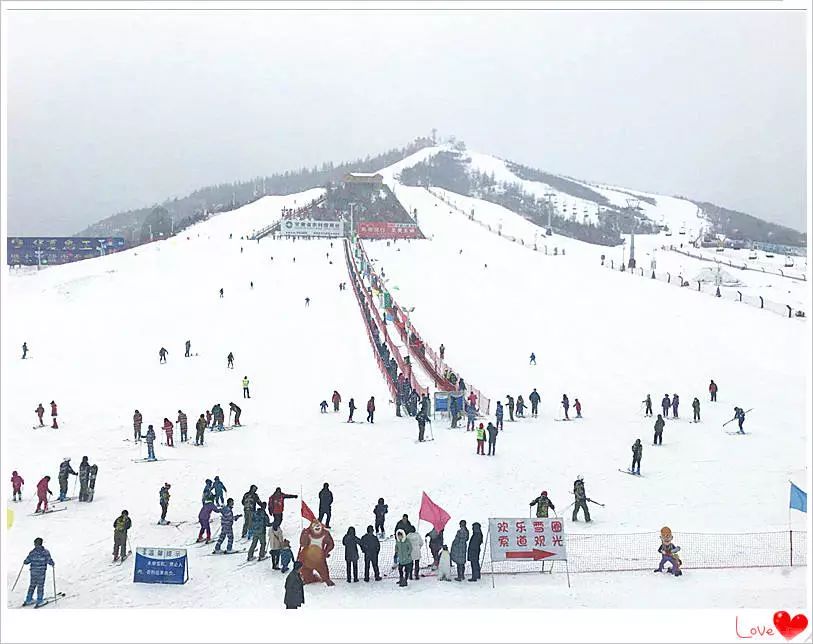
{"type": "Point", "coordinates": [490, 552]}
{"type": "Point", "coordinates": [301, 501]}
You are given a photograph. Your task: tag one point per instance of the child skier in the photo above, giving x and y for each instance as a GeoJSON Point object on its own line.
{"type": "Point", "coordinates": [17, 483]}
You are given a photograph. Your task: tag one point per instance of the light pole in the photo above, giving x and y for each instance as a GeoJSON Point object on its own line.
{"type": "Point", "coordinates": [548, 195]}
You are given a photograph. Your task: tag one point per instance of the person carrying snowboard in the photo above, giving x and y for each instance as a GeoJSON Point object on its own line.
{"type": "Point", "coordinates": [648, 403]}
{"type": "Point", "coordinates": [84, 475]}
{"type": "Point", "coordinates": [17, 483]}
{"type": "Point", "coordinates": [696, 410]}
{"type": "Point", "coordinates": [637, 452]}
{"type": "Point", "coordinates": [713, 391]}
{"type": "Point", "coordinates": [137, 420]}
{"type": "Point", "coordinates": [565, 405]}
{"type": "Point", "coordinates": [94, 472]}
{"type": "Point", "coordinates": [659, 425]}
{"type": "Point", "coordinates": [336, 400]}
{"type": "Point", "coordinates": [40, 410]}
{"type": "Point", "coordinates": [163, 500]}
{"type": "Point", "coordinates": [182, 423]}
{"type": "Point", "coordinates": [120, 527]}
{"type": "Point", "coordinates": [581, 499]}
{"type": "Point", "coordinates": [542, 503]}
{"type": "Point", "coordinates": [534, 399]}
{"type": "Point", "coordinates": [227, 519]}
{"type": "Point", "coordinates": [39, 559]}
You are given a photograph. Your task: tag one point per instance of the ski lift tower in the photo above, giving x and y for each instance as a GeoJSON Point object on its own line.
{"type": "Point", "coordinates": [633, 207]}
{"type": "Point", "coordinates": [548, 196]}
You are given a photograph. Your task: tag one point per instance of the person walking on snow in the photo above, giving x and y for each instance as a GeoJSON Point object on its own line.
{"type": "Point", "coordinates": [578, 407]}
{"type": "Point", "coordinates": [65, 470]}
{"type": "Point", "coordinates": [187, 347]}
{"type": "Point", "coordinates": [370, 409]}
{"type": "Point", "coordinates": [352, 407]}
{"type": "Point", "coordinates": [17, 483]}
{"type": "Point", "coordinates": [276, 543]}
{"type": "Point", "coordinates": [42, 494]}
{"type": "Point", "coordinates": [168, 430]}
{"type": "Point", "coordinates": [40, 410]}
{"type": "Point", "coordinates": [471, 417]}
{"type": "Point", "coordinates": [25, 350]}
{"type": "Point", "coordinates": [491, 430]}
{"type": "Point", "coordinates": [565, 405]}
{"type": "Point", "coordinates": [163, 500]}
{"type": "Point", "coordinates": [351, 545]}
{"type": "Point", "coordinates": [481, 439]}
{"type": "Point", "coordinates": [542, 503]}
{"type": "Point", "coordinates": [325, 504]}
{"type": "Point", "coordinates": [380, 512]}
{"type": "Point", "coordinates": [137, 420]}
{"type": "Point", "coordinates": [533, 359]}
{"type": "Point", "coordinates": [696, 410]}
{"type": "Point", "coordinates": [39, 559]}
{"type": "Point", "coordinates": [416, 543]}
{"type": "Point", "coordinates": [675, 403]}
{"type": "Point", "coordinates": [665, 405]}
{"type": "Point", "coordinates": [218, 488]}
{"type": "Point", "coordinates": [294, 588]}
{"type": "Point", "coordinates": [120, 527]}
{"type": "Point", "coordinates": [534, 399]}
{"type": "Point", "coordinates": [474, 550]}
{"type": "Point", "coordinates": [371, 546]}
{"type": "Point", "coordinates": [637, 452]}
{"type": "Point", "coordinates": [659, 425]}
{"type": "Point", "coordinates": [227, 519]}
{"type": "Point", "coordinates": [459, 550]}
{"type": "Point", "coordinates": [204, 517]}
{"type": "Point", "coordinates": [246, 393]}
{"type": "Point", "coordinates": [403, 555]}
{"type": "Point", "coordinates": [336, 400]}
{"type": "Point", "coordinates": [499, 416]}
{"type": "Point", "coordinates": [442, 351]}
{"type": "Point", "coordinates": [510, 408]}
{"type": "Point", "coordinates": [713, 391]}
{"type": "Point", "coordinates": [200, 428]}
{"type": "Point", "coordinates": [648, 403]}
{"type": "Point", "coordinates": [162, 355]}
{"type": "Point", "coordinates": [54, 424]}
{"type": "Point", "coordinates": [276, 504]}
{"type": "Point", "coordinates": [230, 361]}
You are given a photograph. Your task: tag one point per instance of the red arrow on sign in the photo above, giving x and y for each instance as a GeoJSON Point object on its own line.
{"type": "Point", "coordinates": [534, 554]}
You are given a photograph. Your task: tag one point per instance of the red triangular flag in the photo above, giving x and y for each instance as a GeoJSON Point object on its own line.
{"type": "Point", "coordinates": [307, 514]}
{"type": "Point", "coordinates": [433, 513]}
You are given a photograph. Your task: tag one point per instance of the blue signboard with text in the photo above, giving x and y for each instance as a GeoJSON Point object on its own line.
{"type": "Point", "coordinates": [161, 566]}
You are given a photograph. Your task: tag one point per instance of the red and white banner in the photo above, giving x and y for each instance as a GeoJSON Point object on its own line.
{"type": "Point", "coordinates": [527, 539]}
{"type": "Point", "coordinates": [387, 230]}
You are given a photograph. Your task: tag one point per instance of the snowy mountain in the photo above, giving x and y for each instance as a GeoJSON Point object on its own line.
{"type": "Point", "coordinates": [476, 285]}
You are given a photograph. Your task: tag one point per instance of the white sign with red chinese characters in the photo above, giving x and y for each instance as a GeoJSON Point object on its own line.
{"type": "Point", "coordinates": [528, 539]}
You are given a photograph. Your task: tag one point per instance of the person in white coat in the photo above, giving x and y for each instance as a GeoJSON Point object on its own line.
{"type": "Point", "coordinates": [417, 544]}
{"type": "Point", "coordinates": [445, 565]}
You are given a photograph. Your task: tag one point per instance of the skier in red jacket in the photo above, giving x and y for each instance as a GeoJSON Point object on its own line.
{"type": "Point", "coordinates": [276, 505]}
{"type": "Point", "coordinates": [42, 494]}
{"type": "Point", "coordinates": [17, 483]}
{"type": "Point", "coordinates": [168, 429]}
{"type": "Point", "coordinates": [337, 399]}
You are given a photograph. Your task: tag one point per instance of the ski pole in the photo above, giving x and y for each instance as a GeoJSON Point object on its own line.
{"type": "Point", "coordinates": [18, 576]}
{"type": "Point", "coordinates": [53, 571]}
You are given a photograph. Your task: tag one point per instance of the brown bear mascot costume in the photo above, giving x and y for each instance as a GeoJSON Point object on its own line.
{"type": "Point", "coordinates": [315, 544]}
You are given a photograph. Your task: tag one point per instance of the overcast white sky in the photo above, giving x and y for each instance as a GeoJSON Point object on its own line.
{"type": "Point", "coordinates": [115, 110]}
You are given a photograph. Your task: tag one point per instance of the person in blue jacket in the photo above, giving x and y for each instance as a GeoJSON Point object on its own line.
{"type": "Point", "coordinates": [218, 488]}
{"type": "Point", "coordinates": [39, 559]}
{"type": "Point", "coordinates": [499, 415]}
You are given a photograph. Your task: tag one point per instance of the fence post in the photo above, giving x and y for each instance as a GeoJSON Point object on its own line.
{"type": "Point", "coordinates": [791, 548]}
{"type": "Point", "coordinates": [740, 294]}
{"type": "Point", "coordinates": [761, 302]}
{"type": "Point", "coordinates": [668, 278]}
{"type": "Point", "coordinates": [790, 311]}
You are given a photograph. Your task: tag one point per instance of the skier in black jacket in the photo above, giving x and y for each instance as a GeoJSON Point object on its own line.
{"type": "Point", "coordinates": [325, 503]}
{"type": "Point", "coordinates": [475, 543]}
{"type": "Point", "coordinates": [370, 546]}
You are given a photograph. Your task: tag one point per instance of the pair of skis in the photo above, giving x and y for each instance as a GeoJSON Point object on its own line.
{"type": "Point", "coordinates": [47, 600]}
